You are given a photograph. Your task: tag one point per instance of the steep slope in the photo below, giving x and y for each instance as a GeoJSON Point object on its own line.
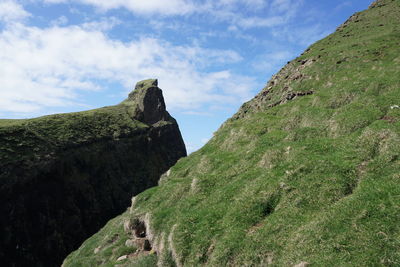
{"type": "Point", "coordinates": [64, 176]}
{"type": "Point", "coordinates": [306, 173]}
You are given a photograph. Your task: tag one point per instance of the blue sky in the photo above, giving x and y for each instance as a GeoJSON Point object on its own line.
{"type": "Point", "coordinates": [209, 56]}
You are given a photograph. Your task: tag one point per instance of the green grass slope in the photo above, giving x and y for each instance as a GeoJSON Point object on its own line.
{"type": "Point", "coordinates": [306, 173]}
{"type": "Point", "coordinates": [61, 130]}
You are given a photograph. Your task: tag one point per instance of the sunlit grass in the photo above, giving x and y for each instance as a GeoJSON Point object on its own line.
{"type": "Point", "coordinates": [315, 179]}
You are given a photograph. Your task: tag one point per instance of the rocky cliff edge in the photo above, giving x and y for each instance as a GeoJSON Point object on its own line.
{"type": "Point", "coordinates": [63, 176]}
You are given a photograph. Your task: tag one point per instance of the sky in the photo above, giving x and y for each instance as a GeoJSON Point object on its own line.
{"type": "Point", "coordinates": [209, 56]}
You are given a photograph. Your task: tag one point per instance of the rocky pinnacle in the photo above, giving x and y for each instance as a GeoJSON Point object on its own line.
{"type": "Point", "coordinates": [147, 102]}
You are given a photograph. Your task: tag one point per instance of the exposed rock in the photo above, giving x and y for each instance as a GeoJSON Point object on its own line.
{"type": "Point", "coordinates": [96, 250]}
{"type": "Point", "coordinates": [124, 257]}
{"type": "Point", "coordinates": [353, 18]}
{"type": "Point", "coordinates": [149, 106]}
{"type": "Point", "coordinates": [164, 177]}
{"type": "Point", "coordinates": [143, 244]}
{"type": "Point", "coordinates": [377, 3]}
{"type": "Point", "coordinates": [128, 226]}
{"type": "Point", "coordinates": [302, 264]}
{"type": "Point", "coordinates": [130, 243]}
{"type": "Point", "coordinates": [139, 228]}
{"type": "Point", "coordinates": [269, 97]}
{"type": "Point", "coordinates": [64, 176]}
{"type": "Point", "coordinates": [140, 237]}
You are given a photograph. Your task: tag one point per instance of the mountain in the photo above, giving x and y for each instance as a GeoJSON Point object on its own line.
{"type": "Point", "coordinates": [62, 177]}
{"type": "Point", "coordinates": [305, 174]}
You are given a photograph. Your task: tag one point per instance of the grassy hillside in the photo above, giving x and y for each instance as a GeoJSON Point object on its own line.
{"type": "Point", "coordinates": [308, 172]}
{"type": "Point", "coordinates": [62, 130]}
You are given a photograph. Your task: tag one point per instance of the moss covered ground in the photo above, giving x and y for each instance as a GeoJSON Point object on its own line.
{"type": "Point", "coordinates": [310, 179]}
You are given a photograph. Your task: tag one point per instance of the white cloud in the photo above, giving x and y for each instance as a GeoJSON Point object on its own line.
{"type": "Point", "coordinates": [261, 13]}
{"type": "Point", "coordinates": [50, 67]}
{"type": "Point", "coordinates": [282, 5]}
{"type": "Point", "coordinates": [343, 5]}
{"type": "Point", "coordinates": [304, 35]}
{"type": "Point", "coordinates": [104, 24]}
{"type": "Point", "coordinates": [251, 4]}
{"type": "Point", "coordinates": [252, 22]}
{"type": "Point", "coordinates": [274, 13]}
{"type": "Point", "coordinates": [12, 11]}
{"type": "Point", "coordinates": [60, 21]}
{"type": "Point", "coordinates": [170, 7]}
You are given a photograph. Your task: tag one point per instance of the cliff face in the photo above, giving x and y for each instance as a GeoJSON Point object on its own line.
{"type": "Point", "coordinates": [63, 176]}
{"type": "Point", "coordinates": [306, 173]}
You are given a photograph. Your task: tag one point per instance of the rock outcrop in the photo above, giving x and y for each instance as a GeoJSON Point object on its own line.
{"type": "Point", "coordinates": [149, 106]}
{"type": "Point", "coordinates": [63, 176]}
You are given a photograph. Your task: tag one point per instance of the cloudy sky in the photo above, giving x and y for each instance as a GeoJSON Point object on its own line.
{"type": "Point", "coordinates": [209, 55]}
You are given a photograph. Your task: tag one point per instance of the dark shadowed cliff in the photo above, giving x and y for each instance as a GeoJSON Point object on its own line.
{"type": "Point", "coordinates": [63, 176]}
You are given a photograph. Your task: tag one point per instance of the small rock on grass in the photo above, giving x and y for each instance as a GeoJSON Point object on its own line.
{"type": "Point", "coordinates": [130, 243]}
{"type": "Point", "coordinates": [302, 264]}
{"type": "Point", "coordinates": [124, 257]}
